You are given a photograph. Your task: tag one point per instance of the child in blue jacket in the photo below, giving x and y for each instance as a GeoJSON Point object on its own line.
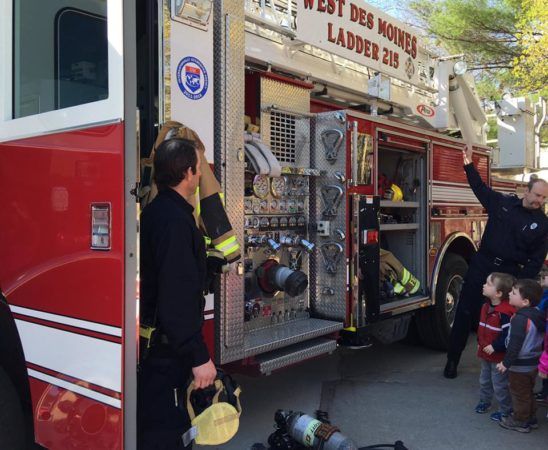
{"type": "Point", "coordinates": [542, 396]}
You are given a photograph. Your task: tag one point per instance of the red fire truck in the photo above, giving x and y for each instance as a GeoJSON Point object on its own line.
{"type": "Point", "coordinates": [351, 149]}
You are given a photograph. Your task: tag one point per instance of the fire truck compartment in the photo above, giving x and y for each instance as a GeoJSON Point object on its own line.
{"type": "Point", "coordinates": [402, 216]}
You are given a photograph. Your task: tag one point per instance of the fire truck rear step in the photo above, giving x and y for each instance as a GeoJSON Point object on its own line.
{"type": "Point", "coordinates": [282, 335]}
{"type": "Point", "coordinates": [293, 354]}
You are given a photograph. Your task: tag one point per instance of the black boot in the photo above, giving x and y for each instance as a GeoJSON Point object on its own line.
{"type": "Point", "coordinates": [450, 370]}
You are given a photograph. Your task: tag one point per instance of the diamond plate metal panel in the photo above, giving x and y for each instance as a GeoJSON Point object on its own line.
{"type": "Point", "coordinates": [229, 163]}
{"type": "Point", "coordinates": [285, 121]}
{"type": "Point", "coordinates": [265, 340]}
{"type": "Point", "coordinates": [285, 357]}
{"type": "Point", "coordinates": [328, 283]}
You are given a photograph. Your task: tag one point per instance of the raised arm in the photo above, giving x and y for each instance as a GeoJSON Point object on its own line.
{"type": "Point", "coordinates": [487, 196]}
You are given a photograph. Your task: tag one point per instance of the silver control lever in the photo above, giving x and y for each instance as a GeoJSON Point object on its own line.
{"type": "Point", "coordinates": [273, 244]}
{"type": "Point", "coordinates": [263, 240]}
{"type": "Point", "coordinates": [294, 241]}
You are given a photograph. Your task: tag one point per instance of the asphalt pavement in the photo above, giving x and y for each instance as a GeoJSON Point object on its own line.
{"type": "Point", "coordinates": [382, 394]}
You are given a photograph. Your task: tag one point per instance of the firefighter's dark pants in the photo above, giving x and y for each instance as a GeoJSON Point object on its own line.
{"type": "Point", "coordinates": [161, 423]}
{"type": "Point", "coordinates": [471, 299]}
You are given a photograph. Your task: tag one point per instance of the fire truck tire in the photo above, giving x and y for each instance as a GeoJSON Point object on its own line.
{"type": "Point", "coordinates": [434, 324]}
{"type": "Point", "coordinates": [12, 422]}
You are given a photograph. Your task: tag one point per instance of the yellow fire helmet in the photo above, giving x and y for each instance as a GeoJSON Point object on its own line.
{"type": "Point", "coordinates": [395, 193]}
{"type": "Point", "coordinates": [214, 412]}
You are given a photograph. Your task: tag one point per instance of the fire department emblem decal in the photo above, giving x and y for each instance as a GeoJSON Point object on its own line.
{"type": "Point", "coordinates": [409, 68]}
{"type": "Point", "coordinates": [192, 78]}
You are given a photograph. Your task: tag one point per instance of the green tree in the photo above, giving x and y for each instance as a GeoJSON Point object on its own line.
{"type": "Point", "coordinates": [504, 41]}
{"type": "Point", "coordinates": [531, 67]}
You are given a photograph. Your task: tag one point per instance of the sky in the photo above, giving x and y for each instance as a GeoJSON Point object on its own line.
{"type": "Point", "coordinates": [391, 7]}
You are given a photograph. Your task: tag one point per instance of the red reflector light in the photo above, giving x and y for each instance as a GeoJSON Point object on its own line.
{"type": "Point", "coordinates": [370, 237]}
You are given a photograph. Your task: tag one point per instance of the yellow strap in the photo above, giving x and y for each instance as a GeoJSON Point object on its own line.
{"type": "Point", "coordinates": [218, 385]}
{"type": "Point", "coordinates": [146, 332]}
{"type": "Point", "coordinates": [237, 393]}
{"type": "Point", "coordinates": [207, 240]}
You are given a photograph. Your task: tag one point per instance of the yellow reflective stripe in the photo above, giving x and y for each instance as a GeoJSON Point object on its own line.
{"type": "Point", "coordinates": [398, 288]}
{"type": "Point", "coordinates": [222, 197]}
{"type": "Point", "coordinates": [226, 243]}
{"type": "Point", "coordinates": [405, 276]}
{"type": "Point", "coordinates": [231, 249]}
{"type": "Point", "coordinates": [207, 240]}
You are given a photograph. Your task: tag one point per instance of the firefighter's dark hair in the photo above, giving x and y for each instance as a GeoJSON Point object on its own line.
{"type": "Point", "coordinates": [529, 290]}
{"type": "Point", "coordinates": [503, 282]}
{"type": "Point", "coordinates": [533, 180]}
{"type": "Point", "coordinates": [172, 159]}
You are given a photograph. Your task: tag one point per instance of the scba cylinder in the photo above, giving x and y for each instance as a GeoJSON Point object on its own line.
{"type": "Point", "coordinates": [302, 428]}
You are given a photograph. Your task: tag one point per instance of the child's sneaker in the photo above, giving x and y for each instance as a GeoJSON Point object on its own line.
{"type": "Point", "coordinates": [510, 424]}
{"type": "Point", "coordinates": [482, 407]}
{"type": "Point", "coordinates": [497, 416]}
{"type": "Point", "coordinates": [541, 399]}
{"type": "Point", "coordinates": [533, 423]}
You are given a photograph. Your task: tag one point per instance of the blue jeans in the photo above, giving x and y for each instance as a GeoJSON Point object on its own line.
{"type": "Point", "coordinates": [494, 382]}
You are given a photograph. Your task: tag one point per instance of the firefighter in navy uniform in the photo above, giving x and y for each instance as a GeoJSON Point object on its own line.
{"type": "Point", "coordinates": [173, 278]}
{"type": "Point", "coordinates": [514, 242]}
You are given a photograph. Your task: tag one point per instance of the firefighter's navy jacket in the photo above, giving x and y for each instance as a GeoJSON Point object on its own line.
{"type": "Point", "coordinates": [513, 234]}
{"type": "Point", "coordinates": [173, 272]}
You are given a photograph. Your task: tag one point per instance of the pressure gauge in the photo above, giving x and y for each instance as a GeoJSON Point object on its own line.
{"type": "Point", "coordinates": [292, 206]}
{"type": "Point", "coordinates": [264, 206]}
{"type": "Point", "coordinates": [261, 186]}
{"type": "Point", "coordinates": [282, 205]}
{"type": "Point", "coordinates": [264, 222]}
{"type": "Point", "coordinates": [278, 186]}
{"type": "Point", "coordinates": [273, 205]}
{"type": "Point", "coordinates": [248, 206]}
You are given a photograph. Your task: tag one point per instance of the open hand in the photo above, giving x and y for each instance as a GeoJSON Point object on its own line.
{"type": "Point", "coordinates": [501, 367]}
{"type": "Point", "coordinates": [542, 375]}
{"type": "Point", "coordinates": [467, 154]}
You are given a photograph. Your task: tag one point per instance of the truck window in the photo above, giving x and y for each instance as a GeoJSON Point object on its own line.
{"type": "Point", "coordinates": [60, 52]}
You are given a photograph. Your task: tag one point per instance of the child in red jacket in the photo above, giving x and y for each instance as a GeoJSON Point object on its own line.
{"type": "Point", "coordinates": [492, 331]}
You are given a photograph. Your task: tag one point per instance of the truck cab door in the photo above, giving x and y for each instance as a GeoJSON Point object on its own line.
{"type": "Point", "coordinates": [67, 159]}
